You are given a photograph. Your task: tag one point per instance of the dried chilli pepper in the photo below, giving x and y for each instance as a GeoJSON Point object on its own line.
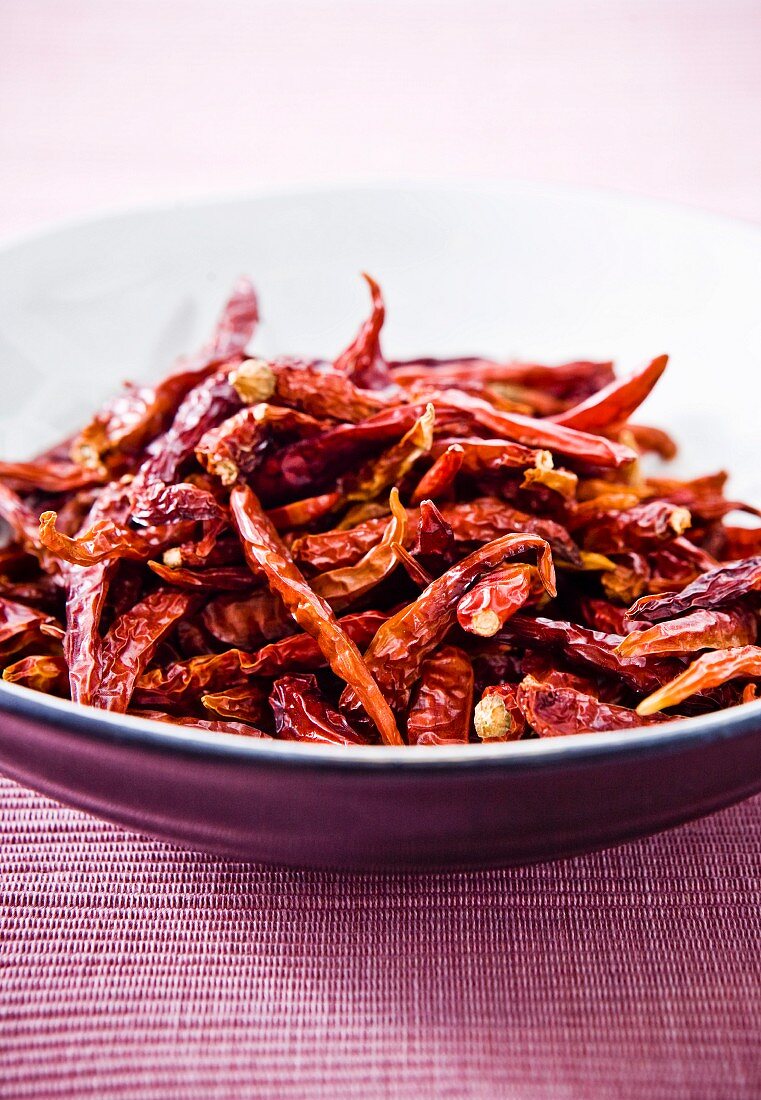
{"type": "Point", "coordinates": [714, 589]}
{"type": "Point", "coordinates": [41, 672]}
{"type": "Point", "coordinates": [696, 630]}
{"type": "Point", "coordinates": [487, 606]}
{"type": "Point", "coordinates": [442, 709]}
{"type": "Point", "coordinates": [141, 568]}
{"type": "Point", "coordinates": [438, 480]}
{"type": "Point", "coordinates": [404, 641]}
{"type": "Point", "coordinates": [265, 552]}
{"type": "Point", "coordinates": [707, 672]}
{"type": "Point", "coordinates": [554, 711]}
{"type": "Point", "coordinates": [302, 714]}
{"type": "Point", "coordinates": [615, 403]}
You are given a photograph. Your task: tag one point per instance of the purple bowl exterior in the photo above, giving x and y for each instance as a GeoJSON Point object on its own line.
{"type": "Point", "coordinates": [335, 811]}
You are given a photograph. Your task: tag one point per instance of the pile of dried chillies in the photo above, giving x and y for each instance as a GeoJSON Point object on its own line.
{"type": "Point", "coordinates": [423, 552]}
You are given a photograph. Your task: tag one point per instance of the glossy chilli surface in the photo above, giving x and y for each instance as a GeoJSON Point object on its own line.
{"type": "Point", "coordinates": [360, 551]}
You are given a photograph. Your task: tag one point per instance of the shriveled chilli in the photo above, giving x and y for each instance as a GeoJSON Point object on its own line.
{"type": "Point", "coordinates": [357, 550]}
{"type": "Point", "coordinates": [403, 642]}
{"type": "Point", "coordinates": [442, 710]}
{"type": "Point", "coordinates": [266, 552]}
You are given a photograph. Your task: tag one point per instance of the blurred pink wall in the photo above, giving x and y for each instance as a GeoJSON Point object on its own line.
{"type": "Point", "coordinates": [109, 102]}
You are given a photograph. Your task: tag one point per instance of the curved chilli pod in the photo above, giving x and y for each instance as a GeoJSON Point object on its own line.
{"type": "Point", "coordinates": [591, 648]}
{"type": "Point", "coordinates": [554, 711]}
{"type": "Point", "coordinates": [363, 361]}
{"type": "Point", "coordinates": [567, 381]}
{"type": "Point", "coordinates": [404, 641]}
{"type": "Point", "coordinates": [497, 716]}
{"type": "Point", "coordinates": [132, 640]}
{"type": "Point", "coordinates": [487, 606]}
{"type": "Point", "coordinates": [439, 479]}
{"type": "Point", "coordinates": [106, 539]}
{"type": "Point", "coordinates": [490, 455]}
{"type": "Point", "coordinates": [714, 589]}
{"type": "Point", "coordinates": [265, 552]}
{"type": "Point", "coordinates": [302, 714]}
{"type": "Point", "coordinates": [697, 630]}
{"type": "Point", "coordinates": [613, 405]}
{"type": "Point", "coordinates": [709, 671]}
{"type": "Point", "coordinates": [442, 709]}
{"type": "Point", "coordinates": [592, 450]}
{"type": "Point", "coordinates": [316, 389]}
{"type": "Point", "coordinates": [159, 505]}
{"type": "Point", "coordinates": [342, 586]}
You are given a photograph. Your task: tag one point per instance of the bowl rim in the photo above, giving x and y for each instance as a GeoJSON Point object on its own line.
{"type": "Point", "coordinates": [96, 724]}
{"type": "Point", "coordinates": [99, 724]}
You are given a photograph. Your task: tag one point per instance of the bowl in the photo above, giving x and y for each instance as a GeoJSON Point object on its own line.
{"type": "Point", "coordinates": [536, 272]}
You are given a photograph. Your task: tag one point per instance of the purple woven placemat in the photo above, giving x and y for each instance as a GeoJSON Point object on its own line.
{"type": "Point", "coordinates": [129, 968]}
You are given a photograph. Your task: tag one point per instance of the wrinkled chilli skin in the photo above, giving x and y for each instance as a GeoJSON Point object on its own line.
{"type": "Point", "coordinates": [265, 552]}
{"type": "Point", "coordinates": [353, 551]}
{"type": "Point", "coordinates": [557, 711]}
{"type": "Point", "coordinates": [404, 641]}
{"type": "Point", "coordinates": [442, 710]}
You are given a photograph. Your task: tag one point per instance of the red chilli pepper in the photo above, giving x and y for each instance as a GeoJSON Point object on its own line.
{"type": "Point", "coordinates": [697, 630]}
{"type": "Point", "coordinates": [441, 711]}
{"type": "Point", "coordinates": [302, 714]}
{"type": "Point", "coordinates": [363, 361]}
{"type": "Point", "coordinates": [131, 642]}
{"type": "Point", "coordinates": [265, 552]}
{"type": "Point", "coordinates": [707, 672]}
{"type": "Point", "coordinates": [405, 640]}
{"type": "Point", "coordinates": [716, 589]}
{"type": "Point", "coordinates": [614, 404]}
{"type": "Point", "coordinates": [553, 711]}
{"type": "Point", "coordinates": [487, 606]}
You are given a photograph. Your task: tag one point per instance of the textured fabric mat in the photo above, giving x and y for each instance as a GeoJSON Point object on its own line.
{"type": "Point", "coordinates": [132, 969]}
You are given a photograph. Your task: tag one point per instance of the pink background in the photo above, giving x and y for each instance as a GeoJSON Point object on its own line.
{"type": "Point", "coordinates": [110, 102]}
{"type": "Point", "coordinates": [130, 969]}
